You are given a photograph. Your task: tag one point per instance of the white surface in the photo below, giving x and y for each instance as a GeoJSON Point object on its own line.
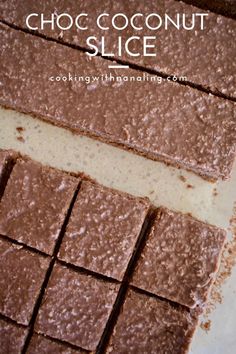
{"type": "Point", "coordinates": [134, 174]}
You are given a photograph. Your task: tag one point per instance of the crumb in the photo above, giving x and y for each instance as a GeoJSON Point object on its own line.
{"type": "Point", "coordinates": [83, 175]}
{"type": "Point", "coordinates": [182, 178]}
{"type": "Point", "coordinates": [20, 129]}
{"type": "Point", "coordinates": [152, 192]}
{"type": "Point", "coordinates": [215, 193]}
{"type": "Point", "coordinates": [206, 326]}
{"type": "Point", "coordinates": [190, 186]}
{"type": "Point", "coordinates": [21, 139]}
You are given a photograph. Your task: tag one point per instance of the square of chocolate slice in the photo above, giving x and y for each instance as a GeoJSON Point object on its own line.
{"type": "Point", "coordinates": [22, 274]}
{"type": "Point", "coordinates": [103, 230]}
{"type": "Point", "coordinates": [12, 337]}
{"type": "Point", "coordinates": [76, 307]}
{"type": "Point", "coordinates": [149, 325]}
{"type": "Point", "coordinates": [35, 204]}
{"type": "Point", "coordinates": [180, 258]}
{"type": "Point", "coordinates": [7, 160]}
{"type": "Point", "coordinates": [40, 344]}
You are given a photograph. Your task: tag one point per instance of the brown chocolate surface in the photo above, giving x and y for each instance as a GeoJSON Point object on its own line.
{"type": "Point", "coordinates": [76, 307]}
{"type": "Point", "coordinates": [150, 326]}
{"type": "Point", "coordinates": [167, 122]}
{"type": "Point", "coordinates": [180, 258]}
{"type": "Point", "coordinates": [178, 52]}
{"type": "Point", "coordinates": [225, 7]}
{"type": "Point", "coordinates": [22, 274]}
{"type": "Point", "coordinates": [43, 345]}
{"type": "Point", "coordinates": [12, 337]}
{"type": "Point", "coordinates": [103, 230]}
{"type": "Point", "coordinates": [35, 204]}
{"type": "Point", "coordinates": [7, 160]}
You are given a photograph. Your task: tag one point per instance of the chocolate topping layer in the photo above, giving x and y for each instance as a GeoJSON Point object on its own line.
{"type": "Point", "coordinates": [35, 204]}
{"type": "Point", "coordinates": [225, 7]}
{"type": "Point", "coordinates": [7, 160]}
{"type": "Point", "coordinates": [76, 307]}
{"type": "Point", "coordinates": [150, 326]}
{"type": "Point", "coordinates": [167, 122]}
{"type": "Point", "coordinates": [101, 234]}
{"type": "Point", "coordinates": [103, 230]}
{"type": "Point", "coordinates": [22, 274]}
{"type": "Point", "coordinates": [178, 52]}
{"type": "Point", "coordinates": [180, 258]}
{"type": "Point", "coordinates": [12, 337]}
{"type": "Point", "coordinates": [42, 345]}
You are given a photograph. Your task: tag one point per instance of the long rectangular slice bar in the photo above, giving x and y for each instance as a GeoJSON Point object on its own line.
{"type": "Point", "coordinates": [167, 122]}
{"type": "Point", "coordinates": [178, 51]}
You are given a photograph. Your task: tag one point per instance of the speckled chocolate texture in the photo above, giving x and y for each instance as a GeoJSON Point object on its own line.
{"type": "Point", "coordinates": [12, 337]}
{"type": "Point", "coordinates": [35, 204]}
{"type": "Point", "coordinates": [167, 122]}
{"type": "Point", "coordinates": [76, 307]}
{"type": "Point", "coordinates": [178, 52]}
{"type": "Point", "coordinates": [149, 325]}
{"type": "Point", "coordinates": [103, 230]}
{"type": "Point", "coordinates": [225, 7]}
{"type": "Point", "coordinates": [7, 159]}
{"type": "Point", "coordinates": [22, 274]}
{"type": "Point", "coordinates": [180, 259]}
{"type": "Point", "coordinates": [42, 345]}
